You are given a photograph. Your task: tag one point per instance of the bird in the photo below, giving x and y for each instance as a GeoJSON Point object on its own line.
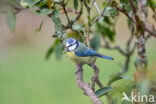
{"type": "Point", "coordinates": [80, 53]}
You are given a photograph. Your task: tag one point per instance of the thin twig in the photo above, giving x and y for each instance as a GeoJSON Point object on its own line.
{"type": "Point", "coordinates": [95, 78]}
{"type": "Point", "coordinates": [127, 53]}
{"type": "Point", "coordinates": [92, 4]}
{"type": "Point", "coordinates": [97, 8]}
{"type": "Point", "coordinates": [125, 12]}
{"type": "Point", "coordinates": [70, 22]}
{"type": "Point", "coordinates": [138, 25]}
{"type": "Point", "coordinates": [107, 45]}
{"type": "Point", "coordinates": [102, 13]}
{"type": "Point", "coordinates": [85, 4]}
{"type": "Point", "coordinates": [65, 11]}
{"type": "Point", "coordinates": [78, 16]}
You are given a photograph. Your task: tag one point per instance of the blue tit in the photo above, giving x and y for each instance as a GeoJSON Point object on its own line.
{"type": "Point", "coordinates": [80, 53]}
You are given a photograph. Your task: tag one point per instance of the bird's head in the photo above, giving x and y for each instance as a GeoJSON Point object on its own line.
{"type": "Point", "coordinates": [71, 44]}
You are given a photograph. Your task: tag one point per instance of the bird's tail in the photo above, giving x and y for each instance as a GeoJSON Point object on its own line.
{"type": "Point", "coordinates": [106, 57]}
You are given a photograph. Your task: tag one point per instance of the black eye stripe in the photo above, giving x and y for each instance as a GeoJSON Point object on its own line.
{"type": "Point", "coordinates": [71, 44]}
{"type": "Point", "coordinates": [76, 43]}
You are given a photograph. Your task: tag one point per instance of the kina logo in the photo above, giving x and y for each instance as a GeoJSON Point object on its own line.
{"type": "Point", "coordinates": [138, 97]}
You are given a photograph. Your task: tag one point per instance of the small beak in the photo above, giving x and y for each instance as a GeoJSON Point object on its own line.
{"type": "Point", "coordinates": [65, 48]}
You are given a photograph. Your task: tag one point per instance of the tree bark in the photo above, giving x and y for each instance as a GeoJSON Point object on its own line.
{"type": "Point", "coordinates": [141, 61]}
{"type": "Point", "coordinates": [86, 88]}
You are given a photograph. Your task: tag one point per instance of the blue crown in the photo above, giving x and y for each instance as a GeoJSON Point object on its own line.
{"type": "Point", "coordinates": [70, 40]}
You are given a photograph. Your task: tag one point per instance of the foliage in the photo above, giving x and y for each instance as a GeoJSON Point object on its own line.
{"type": "Point", "coordinates": [103, 91]}
{"type": "Point", "coordinates": [11, 19]}
{"type": "Point", "coordinates": [95, 30]}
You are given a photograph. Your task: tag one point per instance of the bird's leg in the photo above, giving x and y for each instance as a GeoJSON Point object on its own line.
{"type": "Point", "coordinates": [78, 68]}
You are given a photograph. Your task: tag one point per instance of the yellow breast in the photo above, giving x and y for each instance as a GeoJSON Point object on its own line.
{"type": "Point", "coordinates": [77, 59]}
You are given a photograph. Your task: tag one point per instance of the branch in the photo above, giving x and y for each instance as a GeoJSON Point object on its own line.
{"type": "Point", "coordinates": [79, 14]}
{"type": "Point", "coordinates": [65, 11]}
{"type": "Point", "coordinates": [129, 42]}
{"type": "Point", "coordinates": [87, 7]}
{"type": "Point", "coordinates": [147, 37]}
{"type": "Point", "coordinates": [97, 8]}
{"type": "Point", "coordinates": [125, 12]}
{"type": "Point", "coordinates": [135, 14]}
{"type": "Point", "coordinates": [141, 9]}
{"type": "Point", "coordinates": [102, 13]}
{"type": "Point", "coordinates": [70, 22]}
{"type": "Point", "coordinates": [92, 3]}
{"type": "Point", "coordinates": [86, 88]}
{"type": "Point", "coordinates": [107, 45]}
{"type": "Point", "coordinates": [95, 78]}
{"type": "Point", "coordinates": [128, 56]}
{"type": "Point", "coordinates": [127, 53]}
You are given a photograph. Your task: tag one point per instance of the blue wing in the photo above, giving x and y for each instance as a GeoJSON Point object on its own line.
{"type": "Point", "coordinates": [90, 52]}
{"type": "Point", "coordinates": [85, 53]}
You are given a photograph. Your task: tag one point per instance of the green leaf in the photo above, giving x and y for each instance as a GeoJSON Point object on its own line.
{"type": "Point", "coordinates": [126, 102]}
{"type": "Point", "coordinates": [59, 32]}
{"type": "Point", "coordinates": [29, 3]}
{"type": "Point", "coordinates": [115, 101]}
{"type": "Point", "coordinates": [128, 8]}
{"type": "Point", "coordinates": [52, 48]}
{"type": "Point", "coordinates": [121, 86]}
{"type": "Point", "coordinates": [108, 21]}
{"type": "Point", "coordinates": [116, 77]}
{"type": "Point", "coordinates": [103, 91]}
{"type": "Point", "coordinates": [56, 21]}
{"type": "Point", "coordinates": [110, 11]}
{"type": "Point", "coordinates": [130, 24]}
{"type": "Point", "coordinates": [125, 4]}
{"type": "Point", "coordinates": [24, 4]}
{"type": "Point", "coordinates": [37, 3]}
{"type": "Point", "coordinates": [105, 27]}
{"type": "Point", "coordinates": [109, 33]}
{"type": "Point", "coordinates": [107, 10]}
{"type": "Point", "coordinates": [57, 0]}
{"type": "Point", "coordinates": [56, 13]}
{"type": "Point", "coordinates": [105, 31]}
{"type": "Point", "coordinates": [95, 42]}
{"type": "Point", "coordinates": [58, 51]}
{"type": "Point", "coordinates": [11, 19]}
{"type": "Point", "coordinates": [44, 11]}
{"type": "Point", "coordinates": [88, 1]}
{"type": "Point", "coordinates": [152, 4]}
{"type": "Point", "coordinates": [39, 29]}
{"type": "Point", "coordinates": [75, 4]}
{"type": "Point", "coordinates": [77, 27]}
{"type": "Point", "coordinates": [104, 4]}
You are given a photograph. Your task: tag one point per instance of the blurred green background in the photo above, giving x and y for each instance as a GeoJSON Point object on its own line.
{"type": "Point", "coordinates": [27, 78]}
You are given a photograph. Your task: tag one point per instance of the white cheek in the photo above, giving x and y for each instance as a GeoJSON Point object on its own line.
{"type": "Point", "coordinates": [71, 48]}
{"type": "Point", "coordinates": [67, 44]}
